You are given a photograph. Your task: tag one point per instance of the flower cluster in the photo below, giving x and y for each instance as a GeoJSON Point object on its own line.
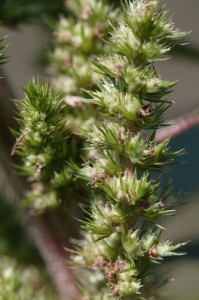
{"type": "Point", "coordinates": [123, 240]}
{"type": "Point", "coordinates": [78, 39]}
{"type": "Point", "coordinates": [44, 146]}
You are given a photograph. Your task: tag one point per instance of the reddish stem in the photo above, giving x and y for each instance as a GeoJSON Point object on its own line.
{"type": "Point", "coordinates": [181, 125]}
{"type": "Point", "coordinates": [55, 258]}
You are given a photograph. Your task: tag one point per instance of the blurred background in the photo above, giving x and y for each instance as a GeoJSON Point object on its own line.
{"type": "Point", "coordinates": [29, 40]}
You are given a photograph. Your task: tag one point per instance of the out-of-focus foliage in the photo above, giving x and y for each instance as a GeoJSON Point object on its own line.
{"type": "Point", "coordinates": [14, 240]}
{"type": "Point", "coordinates": [13, 12]}
{"type": "Point", "coordinates": [19, 280]}
{"type": "Point", "coordinates": [20, 283]}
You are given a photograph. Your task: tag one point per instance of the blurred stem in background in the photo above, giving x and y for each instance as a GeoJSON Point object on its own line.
{"type": "Point", "coordinates": [178, 126]}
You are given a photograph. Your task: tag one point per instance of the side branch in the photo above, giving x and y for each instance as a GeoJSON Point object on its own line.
{"type": "Point", "coordinates": [51, 250]}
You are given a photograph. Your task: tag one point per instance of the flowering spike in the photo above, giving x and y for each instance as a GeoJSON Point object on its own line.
{"type": "Point", "coordinates": [131, 99]}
